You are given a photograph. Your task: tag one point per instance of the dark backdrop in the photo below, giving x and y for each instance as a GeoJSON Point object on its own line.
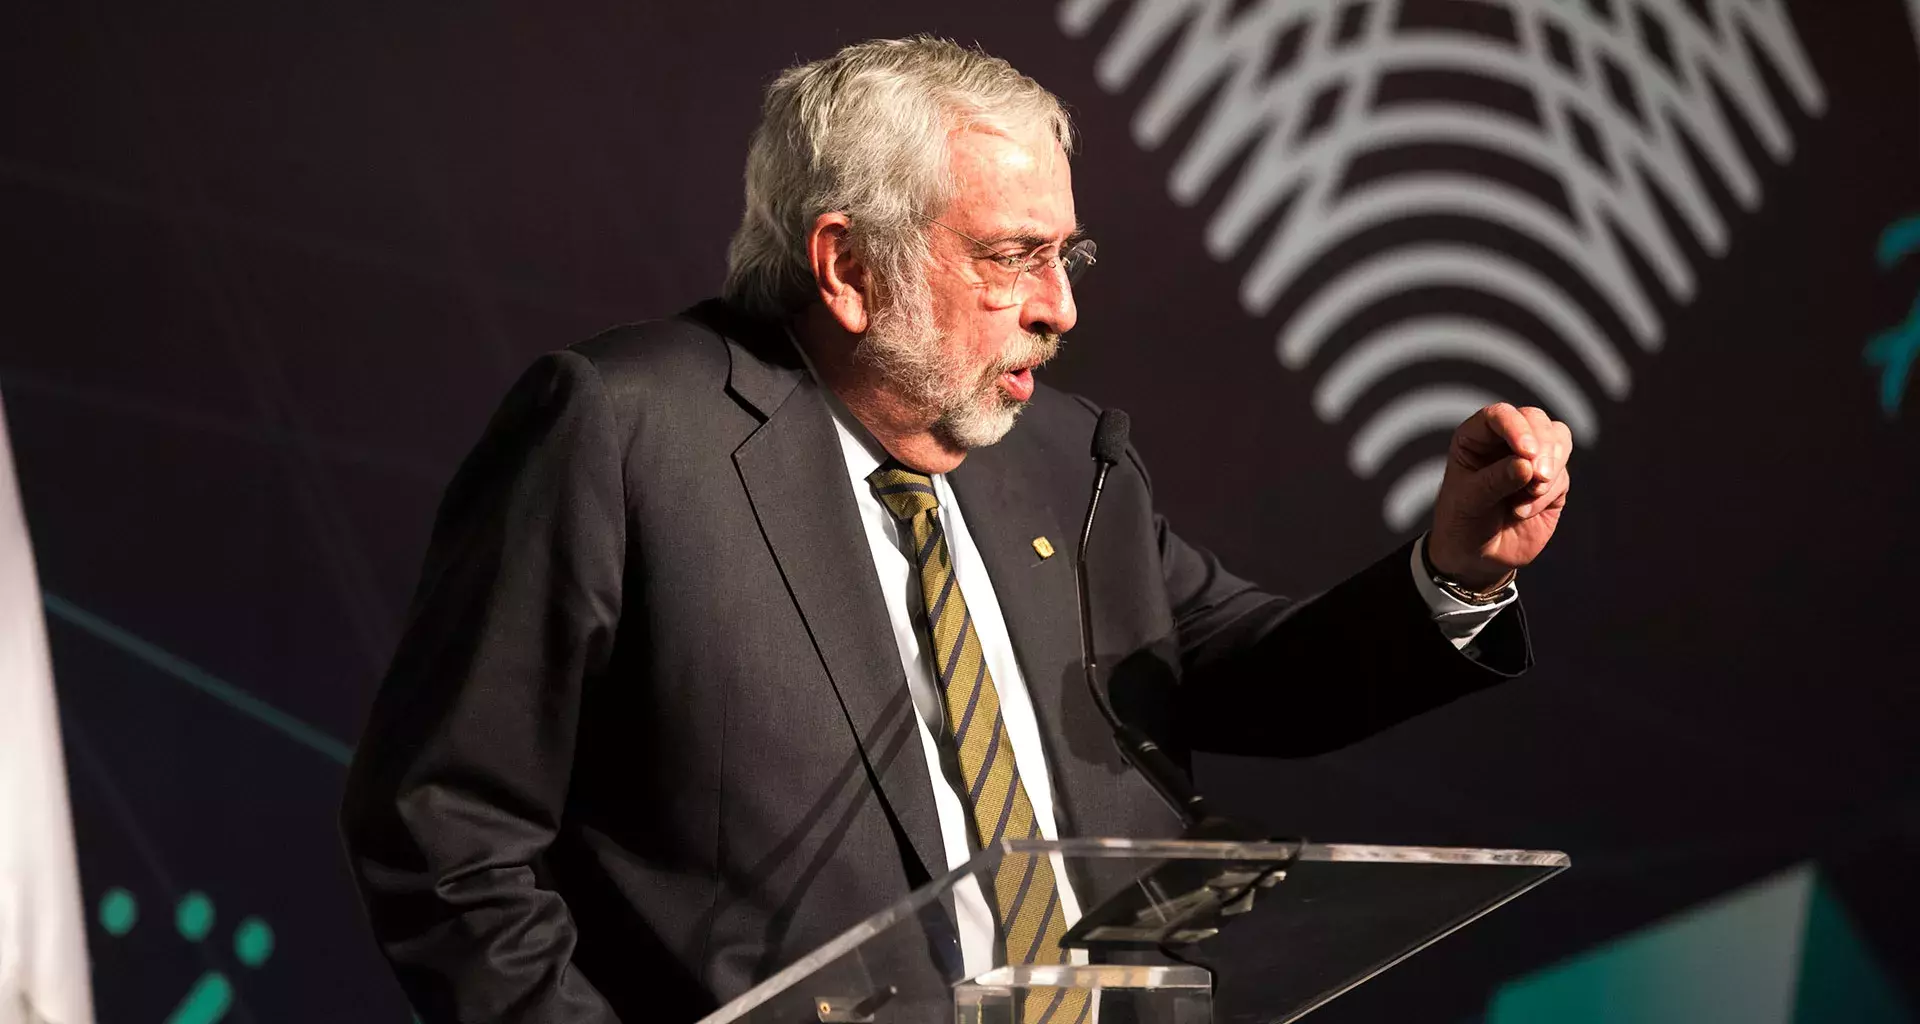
{"type": "Point", "coordinates": [268, 267]}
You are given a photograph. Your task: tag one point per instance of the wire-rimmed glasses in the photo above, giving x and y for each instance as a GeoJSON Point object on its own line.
{"type": "Point", "coordinates": [1020, 266]}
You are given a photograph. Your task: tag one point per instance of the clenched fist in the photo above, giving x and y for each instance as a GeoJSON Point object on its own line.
{"type": "Point", "coordinates": [1501, 498]}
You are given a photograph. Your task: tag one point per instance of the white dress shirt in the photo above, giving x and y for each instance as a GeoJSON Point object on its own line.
{"type": "Point", "coordinates": [892, 551]}
{"type": "Point", "coordinates": [899, 578]}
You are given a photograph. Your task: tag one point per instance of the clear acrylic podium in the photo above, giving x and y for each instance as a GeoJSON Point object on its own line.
{"type": "Point", "coordinates": [1313, 920]}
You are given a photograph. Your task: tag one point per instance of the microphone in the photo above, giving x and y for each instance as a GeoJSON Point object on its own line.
{"type": "Point", "coordinates": [1166, 778]}
{"type": "Point", "coordinates": [1177, 901]}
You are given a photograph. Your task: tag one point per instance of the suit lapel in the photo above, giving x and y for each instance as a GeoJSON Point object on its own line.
{"type": "Point", "coordinates": [1095, 792]}
{"type": "Point", "coordinates": [797, 483]}
{"type": "Point", "coordinates": [1003, 495]}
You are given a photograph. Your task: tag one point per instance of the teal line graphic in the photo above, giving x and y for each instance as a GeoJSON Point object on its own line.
{"type": "Point", "coordinates": [1895, 350]}
{"type": "Point", "coordinates": [253, 942]}
{"type": "Point", "coordinates": [1898, 242]}
{"type": "Point", "coordinates": [212, 995]}
{"type": "Point", "coordinates": [207, 1001]}
{"type": "Point", "coordinates": [119, 912]}
{"type": "Point", "coordinates": [194, 916]}
{"type": "Point", "coordinates": [123, 908]}
{"type": "Point", "coordinates": [198, 678]}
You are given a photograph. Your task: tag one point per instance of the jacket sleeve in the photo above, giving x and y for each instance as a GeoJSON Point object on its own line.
{"type": "Point", "coordinates": [461, 776]}
{"type": "Point", "coordinates": [1266, 675]}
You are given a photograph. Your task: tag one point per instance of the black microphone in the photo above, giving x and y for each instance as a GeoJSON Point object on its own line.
{"type": "Point", "coordinates": [1177, 901]}
{"type": "Point", "coordinates": [1109, 447]}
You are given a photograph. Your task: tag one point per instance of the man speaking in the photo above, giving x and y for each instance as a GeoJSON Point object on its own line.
{"type": "Point", "coordinates": [736, 625]}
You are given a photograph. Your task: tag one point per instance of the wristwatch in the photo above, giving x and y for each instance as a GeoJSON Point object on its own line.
{"type": "Point", "coordinates": [1459, 591]}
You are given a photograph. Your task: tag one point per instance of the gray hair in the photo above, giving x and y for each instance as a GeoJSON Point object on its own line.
{"type": "Point", "coordinates": [865, 132]}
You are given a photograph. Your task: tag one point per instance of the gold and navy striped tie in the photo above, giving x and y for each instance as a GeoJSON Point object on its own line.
{"type": "Point", "coordinates": [1024, 891]}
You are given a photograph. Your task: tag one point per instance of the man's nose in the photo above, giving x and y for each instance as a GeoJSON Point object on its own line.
{"type": "Point", "coordinates": [1049, 302]}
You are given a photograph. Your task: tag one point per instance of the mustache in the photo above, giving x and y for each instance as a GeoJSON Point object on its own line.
{"type": "Point", "coordinates": [1035, 349]}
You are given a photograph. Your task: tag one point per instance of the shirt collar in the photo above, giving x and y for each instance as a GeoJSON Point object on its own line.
{"type": "Point", "coordinates": [863, 451]}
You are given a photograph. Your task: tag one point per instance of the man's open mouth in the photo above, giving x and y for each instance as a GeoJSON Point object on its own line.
{"type": "Point", "coordinates": [1019, 382]}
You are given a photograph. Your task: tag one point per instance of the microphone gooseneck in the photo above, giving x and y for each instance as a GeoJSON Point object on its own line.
{"type": "Point", "coordinates": [1177, 901]}
{"type": "Point", "coordinates": [1109, 447]}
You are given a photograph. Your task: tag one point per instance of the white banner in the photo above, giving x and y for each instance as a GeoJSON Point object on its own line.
{"type": "Point", "coordinates": [43, 938]}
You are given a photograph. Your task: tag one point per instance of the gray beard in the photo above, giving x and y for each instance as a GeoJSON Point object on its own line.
{"type": "Point", "coordinates": [905, 346]}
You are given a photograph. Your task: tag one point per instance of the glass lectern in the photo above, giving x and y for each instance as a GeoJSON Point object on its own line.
{"type": "Point", "coordinates": [1319, 920]}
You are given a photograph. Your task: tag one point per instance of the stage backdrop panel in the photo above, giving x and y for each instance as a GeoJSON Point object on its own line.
{"type": "Point", "coordinates": [269, 267]}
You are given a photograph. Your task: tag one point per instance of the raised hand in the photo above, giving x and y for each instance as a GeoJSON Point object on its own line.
{"type": "Point", "coordinates": [1501, 498]}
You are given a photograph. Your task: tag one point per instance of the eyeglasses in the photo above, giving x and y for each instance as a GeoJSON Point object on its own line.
{"type": "Point", "coordinates": [1023, 265]}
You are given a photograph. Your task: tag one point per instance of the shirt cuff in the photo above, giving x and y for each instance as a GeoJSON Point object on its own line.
{"type": "Point", "coordinates": [1459, 621]}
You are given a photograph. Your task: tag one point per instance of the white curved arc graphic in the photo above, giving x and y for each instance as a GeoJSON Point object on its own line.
{"type": "Point", "coordinates": [1430, 122]}
{"type": "Point", "coordinates": [1474, 341]}
{"type": "Point", "coordinates": [1381, 203]}
{"type": "Point", "coordinates": [1278, 167]}
{"type": "Point", "coordinates": [1425, 410]}
{"type": "Point", "coordinates": [1209, 42]}
{"type": "Point", "coordinates": [1444, 264]}
{"type": "Point", "coordinates": [1695, 51]}
{"type": "Point", "coordinates": [1596, 254]}
{"type": "Point", "coordinates": [1644, 201]}
{"type": "Point", "coordinates": [1413, 493]}
{"type": "Point", "coordinates": [1248, 106]}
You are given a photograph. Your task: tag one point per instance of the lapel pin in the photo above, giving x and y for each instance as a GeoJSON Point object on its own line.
{"type": "Point", "coordinates": [1043, 547]}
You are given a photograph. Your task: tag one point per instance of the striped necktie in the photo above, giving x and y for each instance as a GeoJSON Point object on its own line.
{"type": "Point", "coordinates": [1025, 894]}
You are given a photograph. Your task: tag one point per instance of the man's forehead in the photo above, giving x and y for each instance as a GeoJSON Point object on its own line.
{"type": "Point", "coordinates": [1012, 183]}
{"type": "Point", "coordinates": [982, 147]}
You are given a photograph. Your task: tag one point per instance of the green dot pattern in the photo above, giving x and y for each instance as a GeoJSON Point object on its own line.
{"type": "Point", "coordinates": [253, 942]}
{"type": "Point", "coordinates": [194, 916]}
{"type": "Point", "coordinates": [119, 911]}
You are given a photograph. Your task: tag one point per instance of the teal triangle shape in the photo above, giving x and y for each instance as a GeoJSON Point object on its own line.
{"type": "Point", "coordinates": [1780, 951]}
{"type": "Point", "coordinates": [1733, 959]}
{"type": "Point", "coordinates": [1841, 981]}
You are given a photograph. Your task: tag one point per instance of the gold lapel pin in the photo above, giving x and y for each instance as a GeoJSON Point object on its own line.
{"type": "Point", "coordinates": [1043, 547]}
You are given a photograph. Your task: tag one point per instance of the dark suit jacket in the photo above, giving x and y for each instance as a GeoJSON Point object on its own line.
{"type": "Point", "coordinates": [615, 772]}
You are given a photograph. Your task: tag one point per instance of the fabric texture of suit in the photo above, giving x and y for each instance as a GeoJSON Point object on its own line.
{"type": "Point", "coordinates": [615, 769]}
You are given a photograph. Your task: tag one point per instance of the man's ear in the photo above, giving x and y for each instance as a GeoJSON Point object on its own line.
{"type": "Point", "coordinates": [845, 288]}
